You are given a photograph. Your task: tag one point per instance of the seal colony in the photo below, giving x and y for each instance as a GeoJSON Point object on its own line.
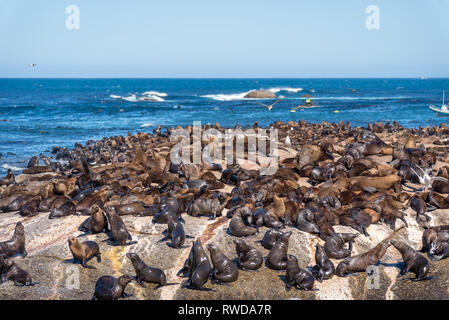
{"type": "Point", "coordinates": [330, 176]}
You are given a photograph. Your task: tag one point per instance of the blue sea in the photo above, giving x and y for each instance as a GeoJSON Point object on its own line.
{"type": "Point", "coordinates": [38, 114]}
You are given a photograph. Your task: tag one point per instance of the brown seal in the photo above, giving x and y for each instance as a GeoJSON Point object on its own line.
{"type": "Point", "coordinates": [9, 179]}
{"type": "Point", "coordinates": [145, 273]}
{"type": "Point", "coordinates": [238, 228]}
{"type": "Point", "coordinates": [334, 245]}
{"type": "Point", "coordinates": [277, 257]}
{"type": "Point", "coordinates": [11, 271]}
{"type": "Point", "coordinates": [324, 268]}
{"type": "Point", "coordinates": [419, 206]}
{"type": "Point", "coordinates": [110, 288]}
{"type": "Point", "coordinates": [270, 238]}
{"type": "Point", "coordinates": [84, 251]}
{"type": "Point", "coordinates": [225, 270]}
{"type": "Point", "coordinates": [16, 244]}
{"type": "Point", "coordinates": [175, 231]}
{"type": "Point", "coordinates": [96, 223]}
{"type": "Point", "coordinates": [249, 258]}
{"type": "Point", "coordinates": [413, 261]}
{"type": "Point", "coordinates": [297, 277]}
{"type": "Point", "coordinates": [118, 228]}
{"type": "Point", "coordinates": [197, 266]}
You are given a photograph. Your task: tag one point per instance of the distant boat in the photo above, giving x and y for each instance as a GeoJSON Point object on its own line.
{"type": "Point", "coordinates": [443, 110]}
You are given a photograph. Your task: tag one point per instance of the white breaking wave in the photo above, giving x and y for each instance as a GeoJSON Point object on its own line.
{"type": "Point", "coordinates": [146, 96]}
{"type": "Point", "coordinates": [241, 96]}
{"type": "Point", "coordinates": [278, 89]}
{"type": "Point", "coordinates": [154, 93]}
{"type": "Point", "coordinates": [147, 125]}
{"type": "Point", "coordinates": [7, 166]}
{"type": "Point", "coordinates": [227, 97]}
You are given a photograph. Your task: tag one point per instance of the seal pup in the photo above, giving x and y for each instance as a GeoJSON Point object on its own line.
{"type": "Point", "coordinates": [110, 288]}
{"type": "Point", "coordinates": [144, 273]}
{"type": "Point", "coordinates": [11, 271]}
{"type": "Point", "coordinates": [249, 258]}
{"type": "Point", "coordinates": [324, 268]}
{"type": "Point", "coordinates": [83, 251]}
{"type": "Point", "coordinates": [225, 270]}
{"type": "Point", "coordinates": [16, 244]}
{"type": "Point", "coordinates": [413, 261]}
{"type": "Point", "coordinates": [334, 245]}
{"type": "Point", "coordinates": [297, 277]}
{"type": "Point", "coordinates": [197, 266]}
{"type": "Point", "coordinates": [277, 257]}
{"type": "Point", "coordinates": [270, 238]}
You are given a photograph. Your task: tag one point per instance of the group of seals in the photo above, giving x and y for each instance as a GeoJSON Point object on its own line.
{"type": "Point", "coordinates": [134, 175]}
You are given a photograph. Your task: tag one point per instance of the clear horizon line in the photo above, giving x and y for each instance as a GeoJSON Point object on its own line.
{"type": "Point", "coordinates": [174, 78]}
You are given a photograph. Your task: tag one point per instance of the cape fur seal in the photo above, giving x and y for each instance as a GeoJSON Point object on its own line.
{"type": "Point", "coordinates": [110, 288]}
{"type": "Point", "coordinates": [238, 228]}
{"type": "Point", "coordinates": [83, 251]}
{"type": "Point", "coordinates": [277, 257]}
{"type": "Point", "coordinates": [11, 271]}
{"type": "Point", "coordinates": [145, 273]}
{"type": "Point", "coordinates": [297, 277]}
{"type": "Point", "coordinates": [197, 266]}
{"type": "Point", "coordinates": [225, 270]}
{"type": "Point", "coordinates": [324, 268]}
{"type": "Point", "coordinates": [175, 231]}
{"type": "Point", "coordinates": [118, 228]}
{"type": "Point", "coordinates": [413, 261]}
{"type": "Point", "coordinates": [16, 244]}
{"type": "Point", "coordinates": [334, 245]}
{"type": "Point", "coordinates": [249, 258]}
{"type": "Point", "coordinates": [270, 238]}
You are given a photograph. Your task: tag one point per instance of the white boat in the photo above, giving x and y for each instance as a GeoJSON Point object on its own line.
{"type": "Point", "coordinates": [444, 110]}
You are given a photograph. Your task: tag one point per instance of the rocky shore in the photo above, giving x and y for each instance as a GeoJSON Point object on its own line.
{"type": "Point", "coordinates": [330, 169]}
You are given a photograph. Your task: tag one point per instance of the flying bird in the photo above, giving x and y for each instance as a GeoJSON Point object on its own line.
{"type": "Point", "coordinates": [269, 107]}
{"type": "Point", "coordinates": [32, 65]}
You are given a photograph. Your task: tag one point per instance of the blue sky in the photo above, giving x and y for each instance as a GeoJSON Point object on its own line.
{"type": "Point", "coordinates": [245, 38]}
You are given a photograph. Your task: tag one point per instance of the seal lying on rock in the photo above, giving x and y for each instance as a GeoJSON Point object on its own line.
{"type": "Point", "coordinates": [110, 288]}
{"type": "Point", "coordinates": [11, 271]}
{"type": "Point", "coordinates": [16, 244]}
{"type": "Point", "coordinates": [413, 261]}
{"type": "Point", "coordinates": [84, 251]}
{"type": "Point", "coordinates": [225, 270]}
{"type": "Point", "coordinates": [297, 277]}
{"type": "Point", "coordinates": [249, 257]}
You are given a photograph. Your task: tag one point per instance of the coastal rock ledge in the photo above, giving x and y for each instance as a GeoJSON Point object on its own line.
{"type": "Point", "coordinates": [49, 258]}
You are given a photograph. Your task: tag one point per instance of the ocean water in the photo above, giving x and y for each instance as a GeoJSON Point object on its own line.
{"type": "Point", "coordinates": [37, 114]}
